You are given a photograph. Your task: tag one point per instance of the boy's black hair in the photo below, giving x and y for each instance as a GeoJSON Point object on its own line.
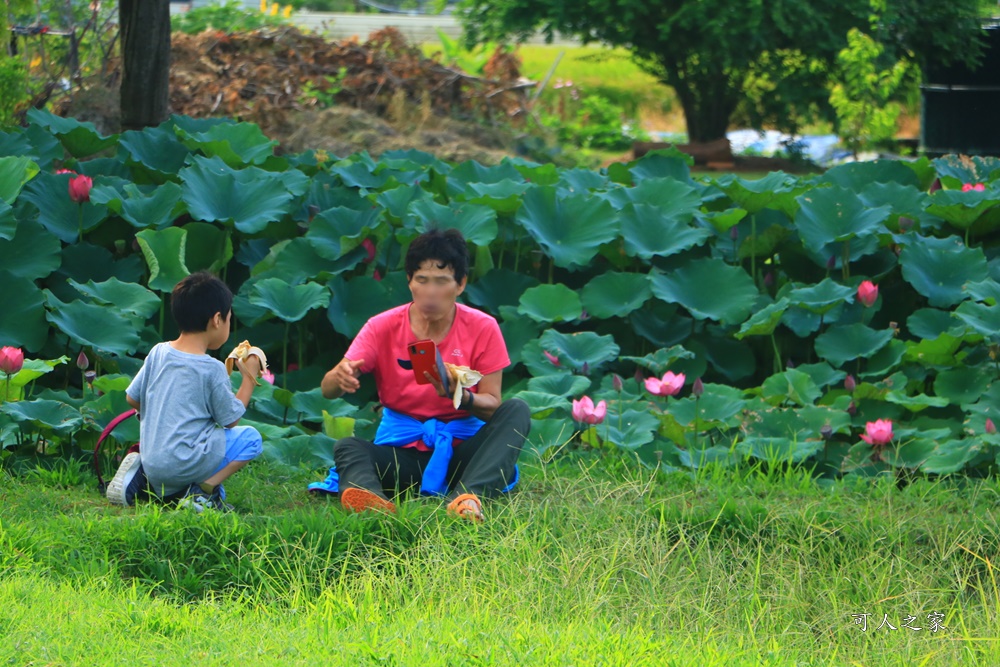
{"type": "Point", "coordinates": [447, 246]}
{"type": "Point", "coordinates": [197, 298]}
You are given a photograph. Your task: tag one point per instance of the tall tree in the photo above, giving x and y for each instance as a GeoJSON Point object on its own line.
{"type": "Point", "coordinates": [145, 45]}
{"type": "Point", "coordinates": [708, 50]}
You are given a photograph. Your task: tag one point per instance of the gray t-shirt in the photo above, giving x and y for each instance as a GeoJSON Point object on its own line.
{"type": "Point", "coordinates": [185, 400]}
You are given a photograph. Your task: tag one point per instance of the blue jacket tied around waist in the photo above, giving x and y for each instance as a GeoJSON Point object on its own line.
{"type": "Point", "coordinates": [397, 430]}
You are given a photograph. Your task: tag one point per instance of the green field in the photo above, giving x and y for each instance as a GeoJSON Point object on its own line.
{"type": "Point", "coordinates": [592, 563]}
{"type": "Point", "coordinates": [608, 72]}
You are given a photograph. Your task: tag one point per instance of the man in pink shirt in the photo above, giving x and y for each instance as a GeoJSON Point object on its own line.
{"type": "Point", "coordinates": [423, 440]}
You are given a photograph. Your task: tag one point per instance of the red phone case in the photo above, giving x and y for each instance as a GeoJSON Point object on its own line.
{"type": "Point", "coordinates": [423, 357]}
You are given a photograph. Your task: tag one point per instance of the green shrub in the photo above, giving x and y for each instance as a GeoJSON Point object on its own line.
{"type": "Point", "coordinates": [228, 16]}
{"type": "Point", "coordinates": [13, 89]}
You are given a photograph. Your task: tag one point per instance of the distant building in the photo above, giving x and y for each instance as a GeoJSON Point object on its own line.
{"type": "Point", "coordinates": [959, 105]}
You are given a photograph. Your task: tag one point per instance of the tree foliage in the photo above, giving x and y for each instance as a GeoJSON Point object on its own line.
{"type": "Point", "coordinates": [712, 52]}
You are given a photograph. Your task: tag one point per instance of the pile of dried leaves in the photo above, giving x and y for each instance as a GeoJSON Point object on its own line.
{"type": "Point", "coordinates": [265, 75]}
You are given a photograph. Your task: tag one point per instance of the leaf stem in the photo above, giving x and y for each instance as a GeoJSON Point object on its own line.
{"type": "Point", "coordinates": [777, 354]}
{"type": "Point", "coordinates": [284, 359]}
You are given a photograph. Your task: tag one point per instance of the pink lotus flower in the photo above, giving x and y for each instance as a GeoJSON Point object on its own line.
{"type": "Point", "coordinates": [991, 428]}
{"type": "Point", "coordinates": [585, 412]}
{"type": "Point", "coordinates": [669, 385]}
{"type": "Point", "coordinates": [878, 432]}
{"type": "Point", "coordinates": [82, 362]}
{"type": "Point", "coordinates": [11, 359]}
{"type": "Point", "coordinates": [698, 388]}
{"type": "Point", "coordinates": [867, 293]}
{"type": "Point", "coordinates": [79, 188]}
{"type": "Point", "coordinates": [850, 384]}
{"type": "Point", "coordinates": [553, 359]}
{"type": "Point", "coordinates": [65, 171]}
{"type": "Point", "coordinates": [267, 376]}
{"type": "Point", "coordinates": [977, 187]}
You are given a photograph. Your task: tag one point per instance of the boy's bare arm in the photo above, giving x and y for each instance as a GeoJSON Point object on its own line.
{"type": "Point", "coordinates": [131, 401]}
{"type": "Point", "coordinates": [249, 370]}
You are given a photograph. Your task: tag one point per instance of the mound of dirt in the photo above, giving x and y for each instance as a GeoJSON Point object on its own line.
{"type": "Point", "coordinates": [342, 131]}
{"type": "Point", "coordinates": [307, 92]}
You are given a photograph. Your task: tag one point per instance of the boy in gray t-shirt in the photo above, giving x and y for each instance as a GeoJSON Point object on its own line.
{"type": "Point", "coordinates": [188, 429]}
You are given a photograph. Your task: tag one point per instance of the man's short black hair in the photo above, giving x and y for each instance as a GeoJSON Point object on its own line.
{"type": "Point", "coordinates": [196, 299]}
{"type": "Point", "coordinates": [445, 246]}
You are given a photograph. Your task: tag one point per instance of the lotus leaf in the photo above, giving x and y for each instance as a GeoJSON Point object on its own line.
{"type": "Point", "coordinates": [129, 297]}
{"type": "Point", "coordinates": [23, 323]}
{"type": "Point", "coordinates": [32, 253]}
{"type": "Point", "coordinates": [289, 302]}
{"type": "Point", "coordinates": [842, 343]}
{"type": "Point", "coordinates": [570, 229]}
{"type": "Point", "coordinates": [55, 415]}
{"type": "Point", "coordinates": [478, 224]}
{"type": "Point", "coordinates": [561, 385]}
{"type": "Point", "coordinates": [577, 349]}
{"type": "Point", "coordinates": [614, 294]}
{"type": "Point", "coordinates": [249, 198]}
{"type": "Point", "coordinates": [79, 139]}
{"type": "Point", "coordinates": [238, 144]}
{"type": "Point", "coordinates": [835, 214]}
{"type": "Point", "coordinates": [940, 268]}
{"type": "Point", "coordinates": [500, 287]}
{"type": "Point", "coordinates": [792, 385]}
{"type": "Point", "coordinates": [709, 289]}
{"type": "Point", "coordinates": [164, 251]}
{"type": "Point", "coordinates": [649, 232]}
{"type": "Point", "coordinates": [764, 321]}
{"type": "Point", "coordinates": [637, 428]}
{"type": "Point", "coordinates": [101, 327]}
{"type": "Point", "coordinates": [14, 173]}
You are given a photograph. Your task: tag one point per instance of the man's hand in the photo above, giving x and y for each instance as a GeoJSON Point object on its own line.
{"type": "Point", "coordinates": [437, 384]}
{"type": "Point", "coordinates": [343, 378]}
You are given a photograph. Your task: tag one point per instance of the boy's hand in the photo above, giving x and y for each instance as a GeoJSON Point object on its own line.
{"type": "Point", "coordinates": [249, 368]}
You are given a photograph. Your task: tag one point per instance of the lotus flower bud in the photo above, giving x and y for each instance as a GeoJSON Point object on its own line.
{"type": "Point", "coordinates": [79, 188]}
{"type": "Point", "coordinates": [867, 293]}
{"type": "Point", "coordinates": [11, 360]}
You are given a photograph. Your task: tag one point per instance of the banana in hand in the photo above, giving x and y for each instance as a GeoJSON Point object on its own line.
{"type": "Point", "coordinates": [462, 377]}
{"type": "Point", "coordinates": [242, 352]}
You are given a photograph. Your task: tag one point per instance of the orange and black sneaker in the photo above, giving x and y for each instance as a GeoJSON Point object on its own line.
{"type": "Point", "coordinates": [359, 500]}
{"type": "Point", "coordinates": [467, 506]}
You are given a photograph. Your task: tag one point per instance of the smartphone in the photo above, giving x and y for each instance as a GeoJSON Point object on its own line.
{"type": "Point", "coordinates": [425, 358]}
{"type": "Point", "coordinates": [422, 359]}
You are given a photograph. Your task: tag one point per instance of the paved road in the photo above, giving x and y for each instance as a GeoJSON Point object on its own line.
{"type": "Point", "coordinates": [416, 28]}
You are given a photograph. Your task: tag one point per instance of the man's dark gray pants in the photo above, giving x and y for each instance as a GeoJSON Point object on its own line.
{"type": "Point", "coordinates": [483, 464]}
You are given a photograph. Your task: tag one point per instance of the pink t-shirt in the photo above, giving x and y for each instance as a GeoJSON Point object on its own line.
{"type": "Point", "coordinates": [474, 340]}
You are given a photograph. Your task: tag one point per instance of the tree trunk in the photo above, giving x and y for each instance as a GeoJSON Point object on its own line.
{"type": "Point", "coordinates": [707, 109]}
{"type": "Point", "coordinates": [145, 47]}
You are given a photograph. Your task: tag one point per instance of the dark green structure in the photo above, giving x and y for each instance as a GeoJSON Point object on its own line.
{"type": "Point", "coordinates": [961, 107]}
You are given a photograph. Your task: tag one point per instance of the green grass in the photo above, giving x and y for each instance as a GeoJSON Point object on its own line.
{"type": "Point", "coordinates": [592, 563]}
{"type": "Point", "coordinates": [604, 71]}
